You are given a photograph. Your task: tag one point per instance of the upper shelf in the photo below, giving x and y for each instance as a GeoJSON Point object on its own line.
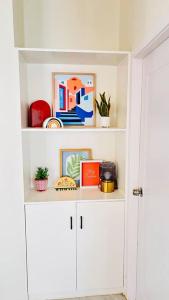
{"type": "Point", "coordinates": [77, 129]}
{"type": "Point", "coordinates": [79, 57]}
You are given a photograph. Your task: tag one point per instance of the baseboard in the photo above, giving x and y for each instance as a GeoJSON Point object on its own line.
{"type": "Point", "coordinates": [125, 294]}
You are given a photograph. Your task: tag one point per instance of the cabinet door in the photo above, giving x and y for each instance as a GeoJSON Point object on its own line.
{"type": "Point", "coordinates": [100, 245]}
{"type": "Point", "coordinates": [51, 248]}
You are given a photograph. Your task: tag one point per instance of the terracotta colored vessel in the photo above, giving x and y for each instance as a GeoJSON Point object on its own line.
{"type": "Point", "coordinates": [41, 185]}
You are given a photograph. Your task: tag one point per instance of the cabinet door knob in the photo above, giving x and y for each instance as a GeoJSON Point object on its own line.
{"type": "Point", "coordinates": [81, 222]}
{"type": "Point", "coordinates": [71, 223]}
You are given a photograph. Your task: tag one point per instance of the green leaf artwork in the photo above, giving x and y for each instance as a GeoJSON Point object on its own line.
{"type": "Point", "coordinates": [73, 165]}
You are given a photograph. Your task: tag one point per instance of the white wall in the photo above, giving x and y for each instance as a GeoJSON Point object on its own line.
{"type": "Point", "coordinates": [12, 242]}
{"type": "Point", "coordinates": [88, 24]}
{"type": "Point", "coordinates": [124, 25]}
{"type": "Point", "coordinates": [72, 24]}
{"type": "Point", "coordinates": [18, 22]}
{"type": "Point", "coordinates": [147, 17]}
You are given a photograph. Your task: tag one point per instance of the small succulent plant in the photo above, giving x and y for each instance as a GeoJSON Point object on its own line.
{"type": "Point", "coordinates": [104, 105]}
{"type": "Point", "coordinates": [41, 173]}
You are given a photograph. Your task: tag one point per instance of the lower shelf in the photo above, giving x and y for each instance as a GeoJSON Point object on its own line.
{"type": "Point", "coordinates": [79, 195]}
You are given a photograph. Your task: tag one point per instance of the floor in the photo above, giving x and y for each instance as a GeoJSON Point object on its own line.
{"type": "Point", "coordinates": [109, 297]}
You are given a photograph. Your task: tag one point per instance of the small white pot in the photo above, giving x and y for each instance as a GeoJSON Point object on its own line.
{"type": "Point", "coordinates": [105, 122]}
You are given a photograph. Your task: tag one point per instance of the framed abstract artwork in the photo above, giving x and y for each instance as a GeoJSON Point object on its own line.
{"type": "Point", "coordinates": [89, 173]}
{"type": "Point", "coordinates": [70, 162]}
{"type": "Point", "coordinates": [74, 98]}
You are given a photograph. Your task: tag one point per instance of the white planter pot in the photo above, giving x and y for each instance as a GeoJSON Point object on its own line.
{"type": "Point", "coordinates": [105, 122]}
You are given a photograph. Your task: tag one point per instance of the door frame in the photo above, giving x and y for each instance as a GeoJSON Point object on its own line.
{"type": "Point", "coordinates": [137, 57]}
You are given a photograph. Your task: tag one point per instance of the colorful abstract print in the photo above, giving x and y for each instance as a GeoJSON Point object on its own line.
{"type": "Point", "coordinates": [75, 99]}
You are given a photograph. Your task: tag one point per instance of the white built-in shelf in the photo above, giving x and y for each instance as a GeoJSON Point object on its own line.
{"type": "Point", "coordinates": [75, 57]}
{"type": "Point", "coordinates": [89, 194]}
{"type": "Point", "coordinates": [41, 145]}
{"type": "Point", "coordinates": [86, 129]}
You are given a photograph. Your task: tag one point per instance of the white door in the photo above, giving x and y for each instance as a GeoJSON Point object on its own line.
{"type": "Point", "coordinates": [100, 245]}
{"type": "Point", "coordinates": [51, 248]}
{"type": "Point", "coordinates": [153, 242]}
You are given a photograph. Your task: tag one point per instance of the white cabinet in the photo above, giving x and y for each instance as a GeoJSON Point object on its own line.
{"type": "Point", "coordinates": [100, 245]}
{"type": "Point", "coordinates": [61, 261]}
{"type": "Point", "coordinates": [51, 248]}
{"type": "Point", "coordinates": [74, 248]}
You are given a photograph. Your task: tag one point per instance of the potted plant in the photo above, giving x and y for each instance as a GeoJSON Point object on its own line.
{"type": "Point", "coordinates": [41, 179]}
{"type": "Point", "coordinates": [104, 110]}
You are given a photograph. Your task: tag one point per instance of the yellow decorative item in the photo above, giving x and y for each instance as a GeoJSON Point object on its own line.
{"type": "Point", "coordinates": [65, 183]}
{"type": "Point", "coordinates": [52, 123]}
{"type": "Point", "coordinates": [107, 186]}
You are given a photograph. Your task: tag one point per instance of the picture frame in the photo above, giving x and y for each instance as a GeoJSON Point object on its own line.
{"type": "Point", "coordinates": [70, 162]}
{"type": "Point", "coordinates": [74, 98]}
{"type": "Point", "coordinates": [89, 173]}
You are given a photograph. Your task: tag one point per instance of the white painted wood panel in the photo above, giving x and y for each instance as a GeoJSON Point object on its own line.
{"type": "Point", "coordinates": [131, 209]}
{"type": "Point", "coordinates": [71, 129]}
{"type": "Point", "coordinates": [122, 92]}
{"type": "Point", "coordinates": [23, 91]}
{"type": "Point", "coordinates": [51, 248]}
{"type": "Point", "coordinates": [120, 159]}
{"type": "Point", "coordinates": [12, 231]}
{"type": "Point", "coordinates": [100, 245]}
{"type": "Point", "coordinates": [26, 165]}
{"type": "Point", "coordinates": [153, 242]}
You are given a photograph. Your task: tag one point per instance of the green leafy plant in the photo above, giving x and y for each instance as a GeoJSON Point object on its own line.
{"type": "Point", "coordinates": [104, 105]}
{"type": "Point", "coordinates": [73, 166]}
{"type": "Point", "coordinates": [41, 173]}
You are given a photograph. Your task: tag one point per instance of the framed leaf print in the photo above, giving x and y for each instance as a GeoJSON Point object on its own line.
{"type": "Point", "coordinates": [70, 162]}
